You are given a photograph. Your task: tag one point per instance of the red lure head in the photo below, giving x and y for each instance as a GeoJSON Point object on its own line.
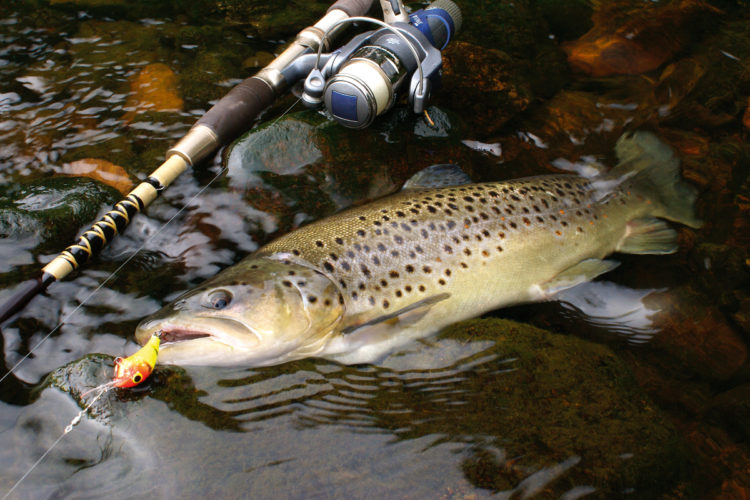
{"type": "Point", "coordinates": [136, 368]}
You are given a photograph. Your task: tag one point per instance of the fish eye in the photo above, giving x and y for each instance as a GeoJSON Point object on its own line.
{"type": "Point", "coordinates": [219, 299]}
{"type": "Point", "coordinates": [137, 377]}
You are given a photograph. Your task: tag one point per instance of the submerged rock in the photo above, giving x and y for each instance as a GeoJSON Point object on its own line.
{"type": "Point", "coordinates": [51, 210]}
{"type": "Point", "coordinates": [100, 170]}
{"type": "Point", "coordinates": [566, 401]}
{"type": "Point", "coordinates": [633, 39]}
{"type": "Point", "coordinates": [154, 88]}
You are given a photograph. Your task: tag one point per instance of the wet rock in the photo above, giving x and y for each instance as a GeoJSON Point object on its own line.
{"type": "Point", "coordinates": [308, 165]}
{"type": "Point", "coordinates": [485, 82]}
{"type": "Point", "coordinates": [732, 410]}
{"type": "Point", "coordinates": [564, 397]}
{"type": "Point", "coordinates": [51, 210]}
{"type": "Point", "coordinates": [694, 331]}
{"type": "Point", "coordinates": [154, 88]}
{"type": "Point", "coordinates": [630, 38]}
{"type": "Point", "coordinates": [271, 20]}
{"type": "Point", "coordinates": [101, 170]}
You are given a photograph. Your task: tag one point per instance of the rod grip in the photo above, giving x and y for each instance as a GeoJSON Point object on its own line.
{"type": "Point", "coordinates": [22, 296]}
{"type": "Point", "coordinates": [234, 112]}
{"type": "Point", "coordinates": [353, 8]}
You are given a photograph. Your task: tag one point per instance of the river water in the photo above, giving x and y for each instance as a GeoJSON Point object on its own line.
{"type": "Point", "coordinates": [636, 385]}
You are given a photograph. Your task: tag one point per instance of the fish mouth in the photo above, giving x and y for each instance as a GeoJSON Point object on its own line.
{"type": "Point", "coordinates": [174, 335]}
{"type": "Point", "coordinates": [219, 330]}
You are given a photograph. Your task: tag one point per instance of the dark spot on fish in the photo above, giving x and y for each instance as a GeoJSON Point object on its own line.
{"type": "Point", "coordinates": [399, 293]}
{"type": "Point", "coordinates": [319, 243]}
{"type": "Point", "coordinates": [464, 265]}
{"type": "Point", "coordinates": [405, 227]}
{"type": "Point", "coordinates": [339, 241]}
{"type": "Point", "coordinates": [328, 266]}
{"type": "Point", "coordinates": [345, 265]}
{"type": "Point", "coordinates": [447, 272]}
{"type": "Point", "coordinates": [287, 283]}
{"type": "Point", "coordinates": [362, 218]}
{"type": "Point", "coordinates": [292, 273]}
{"type": "Point", "coordinates": [333, 256]}
{"type": "Point", "coordinates": [371, 299]}
{"type": "Point", "coordinates": [400, 213]}
{"type": "Point", "coordinates": [327, 302]}
{"type": "Point", "coordinates": [427, 269]}
{"type": "Point", "coordinates": [407, 288]}
{"type": "Point", "coordinates": [342, 283]}
{"type": "Point", "coordinates": [312, 299]}
{"type": "Point", "coordinates": [513, 225]}
{"type": "Point", "coordinates": [409, 268]}
{"type": "Point", "coordinates": [376, 260]}
{"type": "Point", "coordinates": [393, 274]}
{"type": "Point", "coordinates": [296, 252]}
{"type": "Point", "coordinates": [467, 251]}
{"type": "Point", "coordinates": [398, 239]}
{"type": "Point", "coordinates": [365, 270]}
{"type": "Point", "coordinates": [431, 209]}
{"type": "Point", "coordinates": [361, 233]}
{"type": "Point", "coordinates": [485, 253]}
{"type": "Point", "coordinates": [386, 304]}
{"type": "Point", "coordinates": [448, 249]}
{"type": "Point", "coordinates": [421, 288]}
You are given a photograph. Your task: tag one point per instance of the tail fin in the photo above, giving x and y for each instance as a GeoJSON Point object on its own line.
{"type": "Point", "coordinates": [651, 167]}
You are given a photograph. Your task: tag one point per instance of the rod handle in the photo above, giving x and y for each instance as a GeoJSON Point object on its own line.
{"type": "Point", "coordinates": [23, 295]}
{"type": "Point", "coordinates": [235, 112]}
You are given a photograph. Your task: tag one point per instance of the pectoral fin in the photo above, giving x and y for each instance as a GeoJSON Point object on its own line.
{"type": "Point", "coordinates": [386, 325]}
{"type": "Point", "coordinates": [582, 272]}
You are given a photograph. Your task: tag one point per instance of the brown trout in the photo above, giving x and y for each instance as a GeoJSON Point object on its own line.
{"type": "Point", "coordinates": [357, 285]}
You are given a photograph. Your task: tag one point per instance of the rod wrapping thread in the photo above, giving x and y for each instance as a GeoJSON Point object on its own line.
{"type": "Point", "coordinates": [234, 112]}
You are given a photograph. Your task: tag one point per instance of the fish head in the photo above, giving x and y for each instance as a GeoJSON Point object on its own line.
{"type": "Point", "coordinates": [261, 311]}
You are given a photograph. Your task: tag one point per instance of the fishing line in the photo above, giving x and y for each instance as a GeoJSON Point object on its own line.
{"type": "Point", "coordinates": [68, 428]}
{"type": "Point", "coordinates": [107, 386]}
{"type": "Point", "coordinates": [127, 261]}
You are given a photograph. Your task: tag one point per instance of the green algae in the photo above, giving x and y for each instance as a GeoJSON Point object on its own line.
{"type": "Point", "coordinates": [565, 397]}
{"type": "Point", "coordinates": [51, 210]}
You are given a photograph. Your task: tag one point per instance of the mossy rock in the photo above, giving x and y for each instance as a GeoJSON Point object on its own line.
{"type": "Point", "coordinates": [51, 210]}
{"type": "Point", "coordinates": [564, 400]}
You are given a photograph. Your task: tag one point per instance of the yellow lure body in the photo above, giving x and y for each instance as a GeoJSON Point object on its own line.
{"type": "Point", "coordinates": [137, 367]}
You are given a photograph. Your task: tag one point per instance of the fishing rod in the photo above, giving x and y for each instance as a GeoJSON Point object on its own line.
{"type": "Point", "coordinates": [226, 120]}
{"type": "Point", "coordinates": [355, 83]}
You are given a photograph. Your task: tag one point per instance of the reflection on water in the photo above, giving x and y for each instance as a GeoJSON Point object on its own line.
{"type": "Point", "coordinates": [504, 411]}
{"type": "Point", "coordinates": [308, 429]}
{"type": "Point", "coordinates": [613, 308]}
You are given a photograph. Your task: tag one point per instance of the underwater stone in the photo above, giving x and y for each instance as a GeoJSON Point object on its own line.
{"type": "Point", "coordinates": [564, 397]}
{"type": "Point", "coordinates": [51, 210]}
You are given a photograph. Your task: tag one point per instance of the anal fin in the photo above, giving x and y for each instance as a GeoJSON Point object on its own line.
{"type": "Point", "coordinates": [648, 236]}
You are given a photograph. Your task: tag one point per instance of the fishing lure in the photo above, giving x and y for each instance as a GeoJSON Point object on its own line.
{"type": "Point", "coordinates": [137, 367]}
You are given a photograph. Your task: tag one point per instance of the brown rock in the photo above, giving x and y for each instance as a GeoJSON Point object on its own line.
{"type": "Point", "coordinates": [101, 170]}
{"type": "Point", "coordinates": [486, 82]}
{"type": "Point", "coordinates": [636, 40]}
{"type": "Point", "coordinates": [746, 117]}
{"type": "Point", "coordinates": [694, 331]}
{"type": "Point", "coordinates": [153, 89]}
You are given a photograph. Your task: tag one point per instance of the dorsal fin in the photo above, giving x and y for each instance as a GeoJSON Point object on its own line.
{"type": "Point", "coordinates": [437, 176]}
